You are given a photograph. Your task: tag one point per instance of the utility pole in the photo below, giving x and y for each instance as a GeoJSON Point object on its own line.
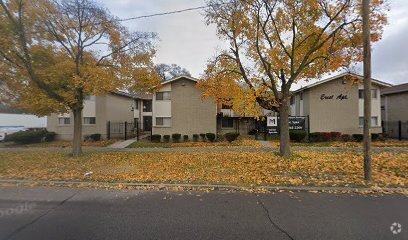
{"type": "Point", "coordinates": [367, 90]}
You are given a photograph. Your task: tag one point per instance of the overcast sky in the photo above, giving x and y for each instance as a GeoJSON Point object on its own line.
{"type": "Point", "coordinates": [186, 40]}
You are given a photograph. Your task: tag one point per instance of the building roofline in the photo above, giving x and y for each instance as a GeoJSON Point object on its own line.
{"type": "Point", "coordinates": [401, 88]}
{"type": "Point", "coordinates": [178, 78]}
{"type": "Point", "coordinates": [381, 83]}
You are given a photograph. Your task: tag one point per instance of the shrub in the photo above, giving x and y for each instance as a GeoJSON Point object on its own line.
{"type": "Point", "coordinates": [176, 137]}
{"type": "Point", "coordinates": [231, 136]}
{"type": "Point", "coordinates": [325, 137]}
{"type": "Point", "coordinates": [185, 138]}
{"type": "Point", "coordinates": [210, 137]}
{"type": "Point", "coordinates": [314, 137]}
{"type": "Point", "coordinates": [50, 136]}
{"type": "Point", "coordinates": [25, 137]}
{"type": "Point", "coordinates": [357, 137]}
{"type": "Point", "coordinates": [375, 136]}
{"type": "Point", "coordinates": [202, 135]}
{"type": "Point", "coordinates": [346, 137]}
{"type": "Point", "coordinates": [334, 136]}
{"type": "Point", "coordinates": [195, 137]}
{"type": "Point", "coordinates": [166, 138]}
{"type": "Point", "coordinates": [156, 138]}
{"type": "Point", "coordinates": [252, 132]}
{"type": "Point", "coordinates": [93, 137]}
{"type": "Point", "coordinates": [297, 136]}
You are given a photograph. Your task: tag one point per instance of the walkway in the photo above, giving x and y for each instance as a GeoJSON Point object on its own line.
{"type": "Point", "coordinates": [194, 149]}
{"type": "Point", "coordinates": [122, 144]}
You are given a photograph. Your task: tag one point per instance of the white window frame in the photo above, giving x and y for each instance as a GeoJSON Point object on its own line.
{"type": "Point", "coordinates": [166, 96]}
{"type": "Point", "coordinates": [373, 124]}
{"type": "Point", "coordinates": [163, 124]}
{"type": "Point", "coordinates": [64, 119]}
{"type": "Point", "coordinates": [90, 121]}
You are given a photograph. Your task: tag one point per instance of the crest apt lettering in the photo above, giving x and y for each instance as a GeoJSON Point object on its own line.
{"type": "Point", "coordinates": [340, 97]}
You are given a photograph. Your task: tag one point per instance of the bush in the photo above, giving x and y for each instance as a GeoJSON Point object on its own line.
{"type": "Point", "coordinates": [195, 137]}
{"type": "Point", "coordinates": [346, 137]}
{"type": "Point", "coordinates": [185, 138]}
{"type": "Point", "coordinates": [334, 136]}
{"type": "Point", "coordinates": [166, 138]}
{"type": "Point", "coordinates": [202, 135]}
{"type": "Point", "coordinates": [26, 137]}
{"type": "Point", "coordinates": [252, 132]}
{"type": "Point", "coordinates": [156, 138]}
{"type": "Point", "coordinates": [375, 136]}
{"type": "Point", "coordinates": [50, 136]}
{"type": "Point", "coordinates": [297, 136]}
{"type": "Point", "coordinates": [231, 136]}
{"type": "Point", "coordinates": [357, 137]}
{"type": "Point", "coordinates": [176, 137]}
{"type": "Point", "coordinates": [93, 137]}
{"type": "Point", "coordinates": [324, 136]}
{"type": "Point", "coordinates": [314, 137]}
{"type": "Point", "coordinates": [210, 137]}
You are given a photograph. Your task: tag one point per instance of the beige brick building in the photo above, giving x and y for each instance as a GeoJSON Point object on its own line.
{"type": "Point", "coordinates": [178, 107]}
{"type": "Point", "coordinates": [337, 105]}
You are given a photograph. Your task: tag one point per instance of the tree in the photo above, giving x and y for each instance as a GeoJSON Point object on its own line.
{"type": "Point", "coordinates": [275, 43]}
{"type": "Point", "coordinates": [54, 53]}
{"type": "Point", "coordinates": [167, 72]}
{"type": "Point", "coordinates": [367, 89]}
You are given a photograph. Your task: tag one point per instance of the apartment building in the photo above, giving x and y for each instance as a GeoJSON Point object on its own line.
{"type": "Point", "coordinates": [337, 104]}
{"type": "Point", "coordinates": [97, 112]}
{"type": "Point", "coordinates": [178, 107]}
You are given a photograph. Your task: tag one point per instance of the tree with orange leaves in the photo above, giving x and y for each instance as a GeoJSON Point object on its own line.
{"type": "Point", "coordinates": [55, 53]}
{"type": "Point", "coordinates": [272, 44]}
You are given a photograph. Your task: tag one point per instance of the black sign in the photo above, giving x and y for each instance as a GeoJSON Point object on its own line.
{"type": "Point", "coordinates": [295, 123]}
{"type": "Point", "coordinates": [340, 97]}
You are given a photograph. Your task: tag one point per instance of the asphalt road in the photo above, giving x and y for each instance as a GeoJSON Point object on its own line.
{"type": "Point", "coordinates": [71, 213]}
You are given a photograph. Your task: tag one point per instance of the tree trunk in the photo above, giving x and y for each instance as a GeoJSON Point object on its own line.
{"type": "Point", "coordinates": [367, 90]}
{"type": "Point", "coordinates": [77, 140]}
{"type": "Point", "coordinates": [284, 128]}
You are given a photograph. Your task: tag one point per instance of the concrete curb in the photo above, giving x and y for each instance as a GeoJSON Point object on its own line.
{"type": "Point", "coordinates": [204, 186]}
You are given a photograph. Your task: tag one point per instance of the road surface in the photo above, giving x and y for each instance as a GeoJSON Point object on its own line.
{"type": "Point", "coordinates": [75, 213]}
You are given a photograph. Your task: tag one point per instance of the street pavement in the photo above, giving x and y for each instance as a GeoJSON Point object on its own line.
{"type": "Point", "coordinates": [81, 213]}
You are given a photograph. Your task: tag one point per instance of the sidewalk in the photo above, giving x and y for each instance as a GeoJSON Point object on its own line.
{"type": "Point", "coordinates": [195, 149]}
{"type": "Point", "coordinates": [122, 144]}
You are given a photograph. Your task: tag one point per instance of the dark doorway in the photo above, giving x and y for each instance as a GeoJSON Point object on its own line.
{"type": "Point", "coordinates": [147, 123]}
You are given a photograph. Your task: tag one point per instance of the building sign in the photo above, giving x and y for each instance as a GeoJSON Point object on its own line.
{"type": "Point", "coordinates": [295, 123]}
{"type": "Point", "coordinates": [340, 97]}
{"type": "Point", "coordinates": [272, 122]}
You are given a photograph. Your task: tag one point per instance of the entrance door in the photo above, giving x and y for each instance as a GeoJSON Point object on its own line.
{"type": "Point", "coordinates": [147, 123]}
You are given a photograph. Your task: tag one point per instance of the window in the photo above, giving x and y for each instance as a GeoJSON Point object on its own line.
{"type": "Point", "coordinates": [374, 121]}
{"type": "Point", "coordinates": [147, 105]}
{"type": "Point", "coordinates": [373, 93]}
{"type": "Point", "coordinates": [137, 104]}
{"type": "Point", "coordinates": [224, 106]}
{"type": "Point", "coordinates": [227, 123]}
{"type": "Point", "coordinates": [301, 96]}
{"type": "Point", "coordinates": [292, 100]}
{"type": "Point", "coordinates": [163, 121]}
{"type": "Point", "coordinates": [89, 120]}
{"type": "Point", "coordinates": [163, 96]}
{"type": "Point", "coordinates": [361, 93]}
{"type": "Point", "coordinates": [64, 121]}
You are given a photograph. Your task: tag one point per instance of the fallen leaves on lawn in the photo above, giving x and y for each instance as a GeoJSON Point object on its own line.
{"type": "Point", "coordinates": [237, 168]}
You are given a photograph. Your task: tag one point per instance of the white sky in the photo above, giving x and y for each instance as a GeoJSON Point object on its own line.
{"type": "Point", "coordinates": [186, 40]}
